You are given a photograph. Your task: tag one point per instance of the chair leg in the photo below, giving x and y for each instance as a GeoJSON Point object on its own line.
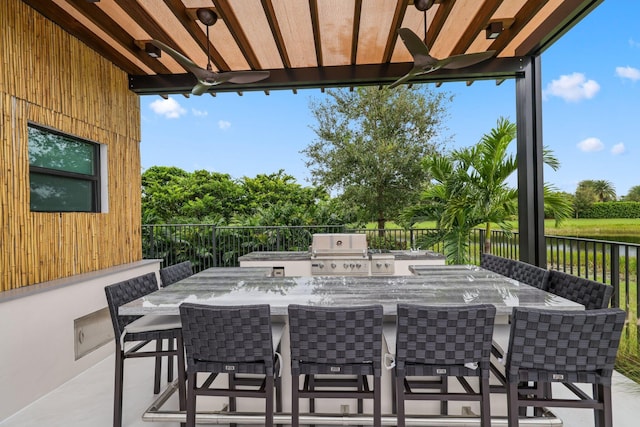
{"type": "Point", "coordinates": [182, 381]}
{"type": "Point", "coordinates": [170, 347]}
{"type": "Point", "coordinates": [117, 388]}
{"type": "Point", "coordinates": [310, 384]}
{"type": "Point", "coordinates": [377, 402]}
{"type": "Point", "coordinates": [485, 411]}
{"type": "Point", "coordinates": [268, 413]}
{"type": "Point", "coordinates": [232, 400]}
{"type": "Point", "coordinates": [513, 412]}
{"type": "Point", "coordinates": [400, 400]}
{"type": "Point", "coordinates": [361, 379]}
{"type": "Point", "coordinates": [156, 378]}
{"type": "Point", "coordinates": [604, 416]}
{"type": "Point", "coordinates": [191, 399]}
{"type": "Point", "coordinates": [394, 404]}
{"type": "Point", "coordinates": [295, 404]}
{"type": "Point", "coordinates": [444, 388]}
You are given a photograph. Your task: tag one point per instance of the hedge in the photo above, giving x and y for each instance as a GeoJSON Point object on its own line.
{"type": "Point", "coordinates": [612, 210]}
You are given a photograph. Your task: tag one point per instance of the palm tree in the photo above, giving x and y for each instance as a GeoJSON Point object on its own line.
{"type": "Point", "coordinates": [604, 190]}
{"type": "Point", "coordinates": [470, 189]}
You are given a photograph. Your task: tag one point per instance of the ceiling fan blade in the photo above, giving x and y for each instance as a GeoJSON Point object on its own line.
{"type": "Point", "coordinates": [415, 71]}
{"type": "Point", "coordinates": [200, 88]}
{"type": "Point", "coordinates": [465, 60]}
{"type": "Point", "coordinates": [241, 77]}
{"type": "Point", "coordinates": [414, 44]}
{"type": "Point", "coordinates": [180, 58]}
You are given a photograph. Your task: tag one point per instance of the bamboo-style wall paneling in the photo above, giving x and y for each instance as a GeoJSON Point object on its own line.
{"type": "Point", "coordinates": [49, 78]}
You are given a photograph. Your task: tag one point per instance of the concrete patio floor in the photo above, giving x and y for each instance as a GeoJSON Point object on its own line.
{"type": "Point", "coordinates": [86, 401]}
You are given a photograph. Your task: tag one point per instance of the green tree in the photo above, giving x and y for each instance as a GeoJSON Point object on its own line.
{"type": "Point", "coordinates": [585, 196]}
{"type": "Point", "coordinates": [370, 143]}
{"type": "Point", "coordinates": [633, 195]}
{"type": "Point", "coordinates": [470, 190]}
{"type": "Point", "coordinates": [603, 190]}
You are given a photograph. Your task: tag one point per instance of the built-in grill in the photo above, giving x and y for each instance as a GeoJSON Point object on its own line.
{"type": "Point", "coordinates": [339, 253]}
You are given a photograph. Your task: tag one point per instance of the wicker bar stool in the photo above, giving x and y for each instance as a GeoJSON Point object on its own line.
{"type": "Point", "coordinates": [235, 340]}
{"type": "Point", "coordinates": [569, 347]}
{"type": "Point", "coordinates": [591, 294]}
{"type": "Point", "coordinates": [344, 342]}
{"type": "Point", "coordinates": [530, 274]}
{"type": "Point", "coordinates": [443, 342]}
{"type": "Point", "coordinates": [497, 264]}
{"type": "Point", "coordinates": [143, 330]}
{"type": "Point", "coordinates": [174, 273]}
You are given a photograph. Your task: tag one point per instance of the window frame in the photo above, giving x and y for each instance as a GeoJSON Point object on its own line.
{"type": "Point", "coordinates": [94, 180]}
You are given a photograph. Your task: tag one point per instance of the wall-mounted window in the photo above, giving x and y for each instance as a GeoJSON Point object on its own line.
{"type": "Point", "coordinates": [64, 172]}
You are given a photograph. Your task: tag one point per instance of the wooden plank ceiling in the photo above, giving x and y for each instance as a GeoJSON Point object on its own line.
{"type": "Point", "coordinates": [310, 43]}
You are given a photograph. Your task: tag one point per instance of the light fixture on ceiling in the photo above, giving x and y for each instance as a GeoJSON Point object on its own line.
{"type": "Point", "coordinates": [494, 29]}
{"type": "Point", "coordinates": [207, 16]}
{"type": "Point", "coordinates": [423, 5]}
{"type": "Point", "coordinates": [152, 51]}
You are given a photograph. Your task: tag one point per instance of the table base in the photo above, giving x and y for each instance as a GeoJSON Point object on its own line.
{"type": "Point", "coordinates": [155, 413]}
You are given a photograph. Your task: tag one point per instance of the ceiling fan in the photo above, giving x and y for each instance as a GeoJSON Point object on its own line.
{"type": "Point", "coordinates": [207, 77]}
{"type": "Point", "coordinates": [423, 62]}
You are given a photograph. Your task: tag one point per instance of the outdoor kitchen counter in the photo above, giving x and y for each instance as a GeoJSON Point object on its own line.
{"type": "Point", "coordinates": [300, 263]}
{"type": "Point", "coordinates": [276, 256]}
{"type": "Point", "coordinates": [306, 255]}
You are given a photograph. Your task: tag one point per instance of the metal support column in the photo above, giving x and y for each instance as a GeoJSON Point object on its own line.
{"type": "Point", "coordinates": [530, 163]}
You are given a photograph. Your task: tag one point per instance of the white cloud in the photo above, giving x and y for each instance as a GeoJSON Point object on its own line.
{"type": "Point", "coordinates": [590, 144]}
{"type": "Point", "coordinates": [223, 124]}
{"type": "Point", "coordinates": [618, 149]}
{"type": "Point", "coordinates": [634, 43]}
{"type": "Point", "coordinates": [168, 108]}
{"type": "Point", "coordinates": [573, 87]}
{"type": "Point", "coordinates": [628, 73]}
{"type": "Point", "coordinates": [199, 113]}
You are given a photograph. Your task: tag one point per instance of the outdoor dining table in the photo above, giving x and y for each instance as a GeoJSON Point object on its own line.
{"type": "Point", "coordinates": [430, 285]}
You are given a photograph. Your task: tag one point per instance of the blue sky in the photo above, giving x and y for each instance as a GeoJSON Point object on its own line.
{"type": "Point", "coordinates": [591, 113]}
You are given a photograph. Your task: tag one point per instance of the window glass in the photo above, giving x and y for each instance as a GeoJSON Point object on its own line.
{"type": "Point", "coordinates": [63, 172]}
{"type": "Point", "coordinates": [53, 151]}
{"type": "Point", "coordinates": [60, 194]}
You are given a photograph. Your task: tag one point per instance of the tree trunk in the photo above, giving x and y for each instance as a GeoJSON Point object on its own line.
{"type": "Point", "coordinates": [487, 239]}
{"type": "Point", "coordinates": [381, 222]}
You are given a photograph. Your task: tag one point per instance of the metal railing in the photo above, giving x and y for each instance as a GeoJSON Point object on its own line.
{"type": "Point", "coordinates": [206, 245]}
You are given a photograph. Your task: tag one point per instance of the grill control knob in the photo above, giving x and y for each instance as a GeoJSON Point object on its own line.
{"type": "Point", "coordinates": [321, 265]}
{"type": "Point", "coordinates": [386, 264]}
{"type": "Point", "coordinates": [351, 265]}
{"type": "Point", "coordinates": [358, 265]}
{"type": "Point", "coordinates": [346, 265]}
{"type": "Point", "coordinates": [333, 265]}
{"type": "Point", "coordinates": [378, 264]}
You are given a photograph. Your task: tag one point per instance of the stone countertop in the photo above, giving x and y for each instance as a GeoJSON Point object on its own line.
{"type": "Point", "coordinates": [276, 256]}
{"type": "Point", "coordinates": [409, 255]}
{"type": "Point", "coordinates": [306, 255]}
{"type": "Point", "coordinates": [468, 287]}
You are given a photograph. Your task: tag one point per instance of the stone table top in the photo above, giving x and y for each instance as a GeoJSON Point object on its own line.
{"type": "Point", "coordinates": [453, 286]}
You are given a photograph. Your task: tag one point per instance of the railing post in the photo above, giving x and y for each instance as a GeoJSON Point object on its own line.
{"type": "Point", "coordinates": [214, 243]}
{"type": "Point", "coordinates": [278, 238]}
{"type": "Point", "coordinates": [411, 239]}
{"type": "Point", "coordinates": [615, 274]}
